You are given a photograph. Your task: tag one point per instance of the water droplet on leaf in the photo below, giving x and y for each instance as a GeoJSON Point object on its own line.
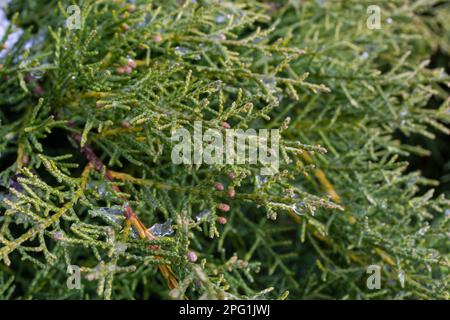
{"type": "Point", "coordinates": [260, 181]}
{"type": "Point", "coordinates": [221, 18]}
{"type": "Point", "coordinates": [162, 229]}
{"type": "Point", "coordinates": [113, 214]}
{"type": "Point", "coordinates": [270, 83]}
{"type": "Point", "coordinates": [182, 50]}
{"type": "Point", "coordinates": [120, 247]}
{"type": "Point", "coordinates": [202, 215]}
{"type": "Point", "coordinates": [299, 208]}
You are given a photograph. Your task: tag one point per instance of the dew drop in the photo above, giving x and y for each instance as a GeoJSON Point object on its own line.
{"type": "Point", "coordinates": [299, 208]}
{"type": "Point", "coordinates": [221, 18]}
{"type": "Point", "coordinates": [202, 215]}
{"type": "Point", "coordinates": [162, 229]}
{"type": "Point", "coordinates": [270, 83]}
{"type": "Point", "coordinates": [134, 233]}
{"type": "Point", "coordinates": [120, 247]}
{"type": "Point", "coordinates": [258, 40]}
{"type": "Point", "coordinates": [113, 214]}
{"type": "Point", "coordinates": [182, 50]}
{"type": "Point", "coordinates": [364, 55]}
{"type": "Point", "coordinates": [260, 181]}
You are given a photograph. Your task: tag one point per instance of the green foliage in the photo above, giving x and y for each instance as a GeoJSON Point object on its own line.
{"type": "Point", "coordinates": [85, 156]}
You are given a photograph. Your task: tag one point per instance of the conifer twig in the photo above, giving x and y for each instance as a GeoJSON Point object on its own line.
{"type": "Point", "coordinates": [130, 216]}
{"type": "Point", "coordinates": [12, 245]}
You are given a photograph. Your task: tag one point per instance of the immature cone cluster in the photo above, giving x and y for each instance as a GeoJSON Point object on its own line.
{"type": "Point", "coordinates": [58, 236]}
{"type": "Point", "coordinates": [157, 38]}
{"type": "Point", "coordinates": [223, 207]}
{"type": "Point", "coordinates": [126, 124]}
{"type": "Point", "coordinates": [131, 8]}
{"type": "Point", "coordinates": [192, 256]}
{"type": "Point", "coordinates": [25, 159]}
{"type": "Point", "coordinates": [231, 175]}
{"type": "Point", "coordinates": [231, 192]}
{"type": "Point", "coordinates": [218, 186]}
{"type": "Point", "coordinates": [222, 220]}
{"type": "Point", "coordinates": [225, 125]}
{"type": "Point", "coordinates": [128, 68]}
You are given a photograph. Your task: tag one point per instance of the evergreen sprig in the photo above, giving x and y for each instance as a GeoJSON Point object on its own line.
{"type": "Point", "coordinates": [87, 117]}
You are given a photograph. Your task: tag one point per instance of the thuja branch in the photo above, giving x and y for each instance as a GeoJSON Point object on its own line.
{"type": "Point", "coordinates": [199, 191]}
{"type": "Point", "coordinates": [131, 218]}
{"type": "Point", "coordinates": [136, 72]}
{"type": "Point", "coordinates": [31, 233]}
